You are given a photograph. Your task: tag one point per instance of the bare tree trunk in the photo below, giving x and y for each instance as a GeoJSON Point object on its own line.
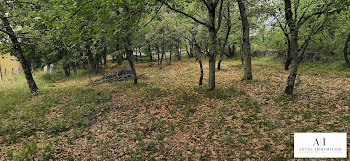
{"type": "Point", "coordinates": [289, 57]}
{"type": "Point", "coordinates": [346, 50]}
{"type": "Point", "coordinates": [171, 53]}
{"type": "Point", "coordinates": [202, 73]}
{"type": "Point", "coordinates": [105, 56]}
{"type": "Point", "coordinates": [198, 57]}
{"type": "Point", "coordinates": [246, 45]}
{"type": "Point", "coordinates": [178, 50]}
{"type": "Point", "coordinates": [162, 56]}
{"type": "Point", "coordinates": [19, 53]}
{"type": "Point", "coordinates": [221, 56]}
{"type": "Point", "coordinates": [188, 53]}
{"type": "Point", "coordinates": [212, 57]}
{"type": "Point", "coordinates": [130, 56]}
{"type": "Point", "coordinates": [223, 45]}
{"type": "Point", "coordinates": [295, 62]}
{"type": "Point", "coordinates": [293, 46]}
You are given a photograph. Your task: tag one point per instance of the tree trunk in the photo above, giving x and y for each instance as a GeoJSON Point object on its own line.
{"type": "Point", "coordinates": [246, 45]}
{"type": "Point", "coordinates": [161, 59]}
{"type": "Point", "coordinates": [346, 50]}
{"type": "Point", "coordinates": [90, 58]}
{"type": "Point", "coordinates": [130, 57]}
{"type": "Point", "coordinates": [188, 53]}
{"type": "Point", "coordinates": [169, 62]}
{"type": "Point", "coordinates": [140, 54]}
{"type": "Point", "coordinates": [221, 57]}
{"type": "Point", "coordinates": [293, 46]}
{"type": "Point", "coordinates": [212, 54]}
{"type": "Point", "coordinates": [150, 54]}
{"type": "Point", "coordinates": [158, 54]}
{"type": "Point", "coordinates": [202, 73]}
{"type": "Point", "coordinates": [294, 71]}
{"type": "Point", "coordinates": [66, 69]}
{"type": "Point", "coordinates": [97, 63]}
{"type": "Point", "coordinates": [19, 53]}
{"type": "Point", "coordinates": [178, 48]}
{"type": "Point", "coordinates": [105, 56]}
{"type": "Point", "coordinates": [75, 68]}
{"type": "Point", "coordinates": [289, 57]}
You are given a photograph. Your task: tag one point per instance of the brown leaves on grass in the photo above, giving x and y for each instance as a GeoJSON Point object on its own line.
{"type": "Point", "coordinates": [168, 117]}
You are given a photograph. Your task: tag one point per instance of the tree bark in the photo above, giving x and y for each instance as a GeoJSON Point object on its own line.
{"type": "Point", "coordinates": [289, 57]}
{"type": "Point", "coordinates": [246, 44]}
{"type": "Point", "coordinates": [212, 53]}
{"type": "Point", "coordinates": [178, 50]}
{"type": "Point", "coordinates": [162, 56]}
{"type": "Point", "coordinates": [223, 46]}
{"type": "Point", "coordinates": [293, 46]}
{"type": "Point", "coordinates": [19, 53]}
{"type": "Point", "coordinates": [90, 58]}
{"type": "Point", "coordinates": [105, 56]}
{"type": "Point", "coordinates": [198, 57]}
{"type": "Point", "coordinates": [346, 46]}
{"type": "Point", "coordinates": [130, 56]}
{"type": "Point", "coordinates": [171, 53]}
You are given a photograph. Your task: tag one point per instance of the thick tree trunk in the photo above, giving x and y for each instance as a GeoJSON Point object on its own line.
{"type": "Point", "coordinates": [212, 55]}
{"type": "Point", "coordinates": [19, 53]}
{"type": "Point", "coordinates": [130, 57]}
{"type": "Point", "coordinates": [346, 46]}
{"type": "Point", "coordinates": [246, 45]}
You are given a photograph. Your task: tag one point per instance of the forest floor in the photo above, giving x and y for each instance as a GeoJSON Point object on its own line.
{"type": "Point", "coordinates": [168, 116]}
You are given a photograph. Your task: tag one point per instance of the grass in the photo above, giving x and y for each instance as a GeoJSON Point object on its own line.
{"type": "Point", "coordinates": [168, 116]}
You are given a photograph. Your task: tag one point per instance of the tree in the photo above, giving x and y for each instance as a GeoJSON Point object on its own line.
{"type": "Point", "coordinates": [245, 40]}
{"type": "Point", "coordinates": [8, 8]}
{"type": "Point", "coordinates": [294, 24]}
{"type": "Point", "coordinates": [213, 24]}
{"type": "Point", "coordinates": [227, 34]}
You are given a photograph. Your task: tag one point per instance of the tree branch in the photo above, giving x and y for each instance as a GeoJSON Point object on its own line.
{"type": "Point", "coordinates": [220, 16]}
{"type": "Point", "coordinates": [183, 13]}
{"type": "Point", "coordinates": [76, 12]}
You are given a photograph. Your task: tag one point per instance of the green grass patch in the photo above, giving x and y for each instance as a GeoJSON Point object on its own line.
{"type": "Point", "coordinates": [52, 111]}
{"type": "Point", "coordinates": [329, 68]}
